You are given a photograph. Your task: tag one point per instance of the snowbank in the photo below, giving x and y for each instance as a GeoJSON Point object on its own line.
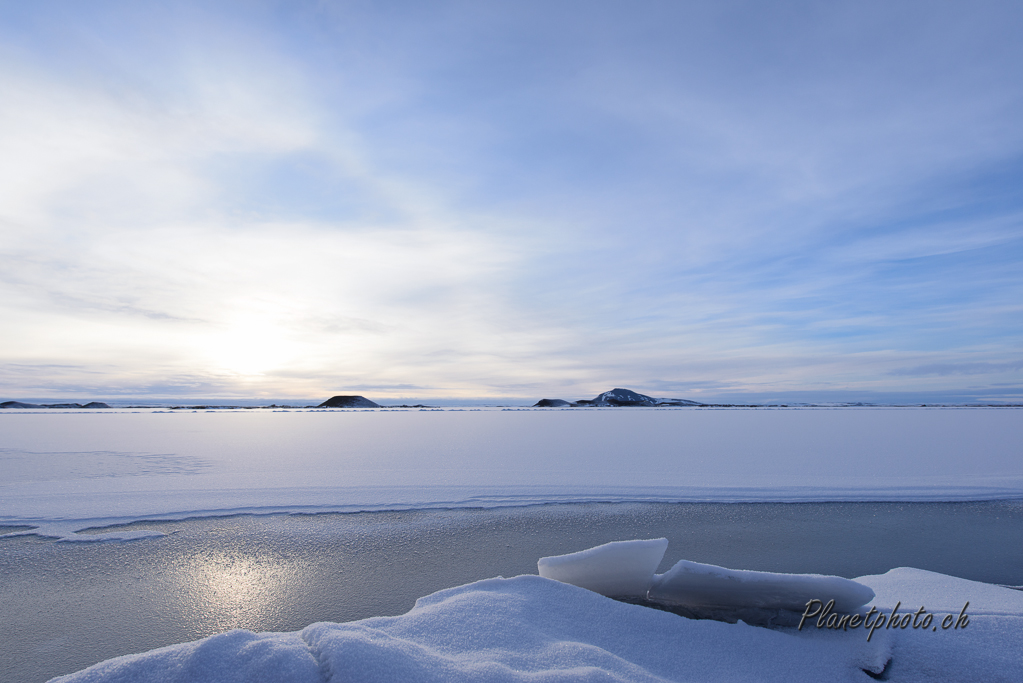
{"type": "Point", "coordinates": [523, 629]}
{"type": "Point", "coordinates": [988, 648]}
{"type": "Point", "coordinates": [533, 629]}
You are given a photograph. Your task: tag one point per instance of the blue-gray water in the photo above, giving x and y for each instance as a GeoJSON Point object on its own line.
{"type": "Point", "coordinates": [66, 606]}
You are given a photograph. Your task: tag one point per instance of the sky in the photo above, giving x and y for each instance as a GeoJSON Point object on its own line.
{"type": "Point", "coordinates": [705, 200]}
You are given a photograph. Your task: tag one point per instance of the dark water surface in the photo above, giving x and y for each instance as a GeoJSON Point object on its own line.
{"type": "Point", "coordinates": [66, 606]}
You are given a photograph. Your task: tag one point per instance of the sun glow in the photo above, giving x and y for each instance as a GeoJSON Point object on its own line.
{"type": "Point", "coordinates": [249, 347]}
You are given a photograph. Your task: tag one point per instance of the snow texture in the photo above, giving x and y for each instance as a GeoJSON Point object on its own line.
{"type": "Point", "coordinates": [617, 569]}
{"type": "Point", "coordinates": [989, 648]}
{"type": "Point", "coordinates": [707, 585]}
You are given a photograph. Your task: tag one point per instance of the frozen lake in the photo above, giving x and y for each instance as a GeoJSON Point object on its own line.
{"type": "Point", "coordinates": [67, 471]}
{"type": "Point", "coordinates": [407, 502]}
{"type": "Point", "coordinates": [69, 605]}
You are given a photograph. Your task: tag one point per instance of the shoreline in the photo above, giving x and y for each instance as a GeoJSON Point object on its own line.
{"type": "Point", "coordinates": [145, 526]}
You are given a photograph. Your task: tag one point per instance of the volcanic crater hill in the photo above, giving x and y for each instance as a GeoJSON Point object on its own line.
{"type": "Point", "coordinates": [616, 397]}
{"type": "Point", "coordinates": [348, 402]}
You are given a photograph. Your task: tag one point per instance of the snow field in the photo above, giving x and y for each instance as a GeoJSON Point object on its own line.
{"type": "Point", "coordinates": [67, 472]}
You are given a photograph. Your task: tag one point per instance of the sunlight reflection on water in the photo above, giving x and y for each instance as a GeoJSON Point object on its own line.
{"type": "Point", "coordinates": [225, 591]}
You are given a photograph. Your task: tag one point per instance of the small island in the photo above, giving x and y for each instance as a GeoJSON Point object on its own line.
{"type": "Point", "coordinates": [615, 398]}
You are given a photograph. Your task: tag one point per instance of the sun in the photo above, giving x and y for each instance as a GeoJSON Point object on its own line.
{"type": "Point", "coordinates": [249, 347]}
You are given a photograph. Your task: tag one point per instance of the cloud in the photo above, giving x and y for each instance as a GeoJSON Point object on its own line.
{"type": "Point", "coordinates": [290, 198]}
{"type": "Point", "coordinates": [947, 369]}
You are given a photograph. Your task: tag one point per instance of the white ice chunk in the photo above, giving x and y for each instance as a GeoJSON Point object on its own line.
{"type": "Point", "coordinates": [707, 585]}
{"type": "Point", "coordinates": [618, 569]}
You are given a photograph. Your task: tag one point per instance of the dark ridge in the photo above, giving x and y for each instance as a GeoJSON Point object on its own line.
{"type": "Point", "coordinates": [348, 402]}
{"type": "Point", "coordinates": [19, 404]}
{"type": "Point", "coordinates": [615, 397]}
{"type": "Point", "coordinates": [623, 397]}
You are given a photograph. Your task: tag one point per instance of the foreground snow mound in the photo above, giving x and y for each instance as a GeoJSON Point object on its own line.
{"type": "Point", "coordinates": [942, 593]}
{"type": "Point", "coordinates": [621, 569]}
{"type": "Point", "coordinates": [986, 646]}
{"type": "Point", "coordinates": [526, 629]}
{"type": "Point", "coordinates": [233, 657]}
{"type": "Point", "coordinates": [707, 585]}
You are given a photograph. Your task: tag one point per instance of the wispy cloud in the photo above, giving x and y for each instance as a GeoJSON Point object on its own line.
{"type": "Point", "coordinates": [946, 369]}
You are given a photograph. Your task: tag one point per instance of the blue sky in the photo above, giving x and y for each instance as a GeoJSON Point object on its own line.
{"type": "Point", "coordinates": [710, 200]}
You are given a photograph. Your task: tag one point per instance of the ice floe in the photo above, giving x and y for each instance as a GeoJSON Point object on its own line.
{"type": "Point", "coordinates": [706, 585]}
{"type": "Point", "coordinates": [625, 569]}
{"type": "Point", "coordinates": [617, 569]}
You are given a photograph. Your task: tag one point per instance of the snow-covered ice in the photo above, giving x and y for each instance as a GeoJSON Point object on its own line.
{"type": "Point", "coordinates": [529, 628]}
{"type": "Point", "coordinates": [705, 585]}
{"type": "Point", "coordinates": [625, 569]}
{"type": "Point", "coordinates": [618, 569]}
{"type": "Point", "coordinates": [67, 471]}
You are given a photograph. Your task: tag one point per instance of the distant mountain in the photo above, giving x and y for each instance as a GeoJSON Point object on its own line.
{"type": "Point", "coordinates": [615, 397]}
{"type": "Point", "coordinates": [623, 397]}
{"type": "Point", "coordinates": [348, 402]}
{"type": "Point", "coordinates": [19, 404]}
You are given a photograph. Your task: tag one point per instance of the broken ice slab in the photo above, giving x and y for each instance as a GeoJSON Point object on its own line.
{"type": "Point", "coordinates": [710, 586]}
{"type": "Point", "coordinates": [616, 569]}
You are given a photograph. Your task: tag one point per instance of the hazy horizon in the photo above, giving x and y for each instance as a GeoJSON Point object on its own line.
{"type": "Point", "coordinates": [793, 397]}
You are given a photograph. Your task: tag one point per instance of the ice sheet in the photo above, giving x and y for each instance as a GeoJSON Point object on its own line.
{"type": "Point", "coordinates": [67, 471]}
